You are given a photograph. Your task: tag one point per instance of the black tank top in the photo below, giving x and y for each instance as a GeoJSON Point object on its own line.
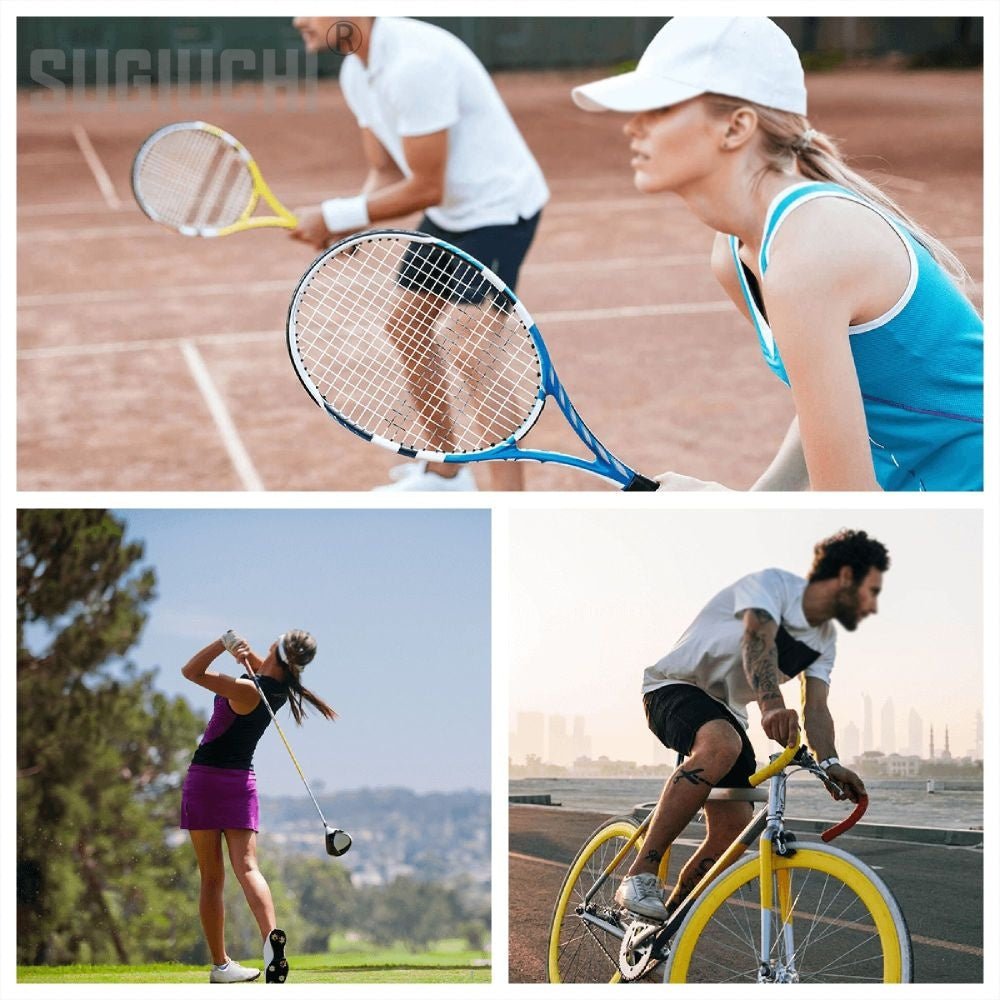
{"type": "Point", "coordinates": [230, 739]}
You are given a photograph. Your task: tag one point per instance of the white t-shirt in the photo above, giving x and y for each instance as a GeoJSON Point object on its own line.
{"type": "Point", "coordinates": [709, 653]}
{"type": "Point", "coordinates": [422, 79]}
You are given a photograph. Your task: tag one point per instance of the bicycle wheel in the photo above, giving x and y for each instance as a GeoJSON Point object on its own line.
{"type": "Point", "coordinates": [841, 924]}
{"type": "Point", "coordinates": [581, 951]}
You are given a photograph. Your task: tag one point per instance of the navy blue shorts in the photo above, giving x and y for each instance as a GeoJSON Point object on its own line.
{"type": "Point", "coordinates": [675, 713]}
{"type": "Point", "coordinates": [501, 248]}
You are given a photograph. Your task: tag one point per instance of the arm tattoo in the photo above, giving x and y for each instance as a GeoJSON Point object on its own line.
{"type": "Point", "coordinates": [693, 776]}
{"type": "Point", "coordinates": [760, 659]}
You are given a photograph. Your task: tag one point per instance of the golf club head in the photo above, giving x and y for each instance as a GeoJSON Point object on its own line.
{"type": "Point", "coordinates": [337, 842]}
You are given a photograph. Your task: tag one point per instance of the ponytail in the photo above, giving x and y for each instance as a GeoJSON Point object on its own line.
{"type": "Point", "coordinates": [295, 650]}
{"type": "Point", "coordinates": [788, 137]}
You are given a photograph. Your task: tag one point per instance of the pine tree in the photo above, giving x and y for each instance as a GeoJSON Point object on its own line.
{"type": "Point", "coordinates": [100, 754]}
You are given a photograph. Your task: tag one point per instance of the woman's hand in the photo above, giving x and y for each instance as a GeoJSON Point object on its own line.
{"type": "Point", "coordinates": [236, 645]}
{"type": "Point", "coordinates": [677, 483]}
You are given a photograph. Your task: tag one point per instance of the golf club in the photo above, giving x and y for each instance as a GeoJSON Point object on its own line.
{"type": "Point", "coordinates": [338, 842]}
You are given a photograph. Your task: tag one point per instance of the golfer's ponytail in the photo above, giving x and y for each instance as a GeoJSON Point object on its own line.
{"type": "Point", "coordinates": [295, 650]}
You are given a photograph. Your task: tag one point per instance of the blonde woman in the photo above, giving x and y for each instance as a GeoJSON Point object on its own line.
{"type": "Point", "coordinates": [219, 796]}
{"type": "Point", "coordinates": [857, 308]}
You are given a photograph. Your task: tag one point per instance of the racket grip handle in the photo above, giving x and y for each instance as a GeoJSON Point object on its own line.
{"type": "Point", "coordinates": [640, 483]}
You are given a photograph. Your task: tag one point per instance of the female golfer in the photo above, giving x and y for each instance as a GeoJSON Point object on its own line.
{"type": "Point", "coordinates": [857, 309]}
{"type": "Point", "coordinates": [219, 797]}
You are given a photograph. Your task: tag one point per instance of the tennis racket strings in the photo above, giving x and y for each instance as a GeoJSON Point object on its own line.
{"type": "Point", "coordinates": [411, 343]}
{"type": "Point", "coordinates": [193, 179]}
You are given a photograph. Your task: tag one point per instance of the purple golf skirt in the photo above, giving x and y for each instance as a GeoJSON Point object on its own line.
{"type": "Point", "coordinates": [219, 798]}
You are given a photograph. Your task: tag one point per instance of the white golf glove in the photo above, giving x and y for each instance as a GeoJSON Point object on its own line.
{"type": "Point", "coordinates": [232, 641]}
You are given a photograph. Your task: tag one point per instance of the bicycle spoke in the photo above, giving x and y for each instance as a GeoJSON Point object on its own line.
{"type": "Point", "coordinates": [831, 933]}
{"type": "Point", "coordinates": [585, 951]}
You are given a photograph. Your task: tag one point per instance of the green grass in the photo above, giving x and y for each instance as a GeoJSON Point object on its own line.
{"type": "Point", "coordinates": [348, 962]}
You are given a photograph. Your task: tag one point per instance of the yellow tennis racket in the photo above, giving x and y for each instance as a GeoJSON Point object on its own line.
{"type": "Point", "coordinates": [201, 181]}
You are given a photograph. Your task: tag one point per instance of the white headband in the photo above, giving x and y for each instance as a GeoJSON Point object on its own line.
{"type": "Point", "coordinates": [282, 655]}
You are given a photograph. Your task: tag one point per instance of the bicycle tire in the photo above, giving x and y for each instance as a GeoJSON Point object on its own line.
{"type": "Point", "coordinates": [580, 952]}
{"type": "Point", "coordinates": [846, 925]}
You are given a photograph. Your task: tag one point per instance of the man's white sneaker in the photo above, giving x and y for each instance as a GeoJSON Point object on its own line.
{"type": "Point", "coordinates": [232, 972]}
{"type": "Point", "coordinates": [643, 895]}
{"type": "Point", "coordinates": [406, 469]}
{"type": "Point", "coordinates": [422, 480]}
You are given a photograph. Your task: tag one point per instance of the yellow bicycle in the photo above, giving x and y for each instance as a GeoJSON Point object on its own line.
{"type": "Point", "coordinates": [786, 913]}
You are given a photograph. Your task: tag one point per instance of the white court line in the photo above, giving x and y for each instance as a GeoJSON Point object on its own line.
{"type": "Point", "coordinates": [543, 319]}
{"type": "Point", "coordinates": [96, 167]}
{"type": "Point", "coordinates": [238, 454]}
{"type": "Point", "coordinates": [171, 292]}
{"type": "Point", "coordinates": [128, 346]}
{"type": "Point", "coordinates": [244, 288]}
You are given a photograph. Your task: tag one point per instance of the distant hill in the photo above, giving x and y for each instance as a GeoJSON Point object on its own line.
{"type": "Point", "coordinates": [435, 836]}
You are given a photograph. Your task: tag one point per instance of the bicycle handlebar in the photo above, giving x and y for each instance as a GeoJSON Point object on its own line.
{"type": "Point", "coordinates": [781, 762]}
{"type": "Point", "coordinates": [845, 824]}
{"type": "Point", "coordinates": [778, 764]}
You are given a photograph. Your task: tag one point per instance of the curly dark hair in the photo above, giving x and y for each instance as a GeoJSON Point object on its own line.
{"type": "Point", "coordinates": [848, 548]}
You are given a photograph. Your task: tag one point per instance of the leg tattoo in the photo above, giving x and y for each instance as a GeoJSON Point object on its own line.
{"type": "Point", "coordinates": [693, 776]}
{"type": "Point", "coordinates": [653, 856]}
{"type": "Point", "coordinates": [690, 880]}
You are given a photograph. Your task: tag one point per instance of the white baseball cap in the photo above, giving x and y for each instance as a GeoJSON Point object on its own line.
{"type": "Point", "coordinates": [745, 57]}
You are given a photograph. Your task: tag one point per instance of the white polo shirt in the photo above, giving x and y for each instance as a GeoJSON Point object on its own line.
{"type": "Point", "coordinates": [422, 79]}
{"type": "Point", "coordinates": [709, 653]}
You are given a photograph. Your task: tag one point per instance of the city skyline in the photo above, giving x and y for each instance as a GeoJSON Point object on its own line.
{"type": "Point", "coordinates": [616, 589]}
{"type": "Point", "coordinates": [532, 732]}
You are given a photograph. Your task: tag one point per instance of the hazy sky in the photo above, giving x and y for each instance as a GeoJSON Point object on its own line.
{"type": "Point", "coordinates": [399, 602]}
{"type": "Point", "coordinates": [616, 588]}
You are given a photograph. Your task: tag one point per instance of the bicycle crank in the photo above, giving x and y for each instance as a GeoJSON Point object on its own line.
{"type": "Point", "coordinates": [635, 957]}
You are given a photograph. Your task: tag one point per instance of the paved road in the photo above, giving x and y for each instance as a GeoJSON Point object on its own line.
{"type": "Point", "coordinates": [939, 888]}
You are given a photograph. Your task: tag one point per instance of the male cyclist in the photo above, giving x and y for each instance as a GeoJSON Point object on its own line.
{"type": "Point", "coordinates": [748, 640]}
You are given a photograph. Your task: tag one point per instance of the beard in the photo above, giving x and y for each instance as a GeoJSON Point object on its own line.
{"type": "Point", "coordinates": [847, 608]}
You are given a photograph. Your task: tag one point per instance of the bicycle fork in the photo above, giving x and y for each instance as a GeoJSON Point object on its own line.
{"type": "Point", "coordinates": [776, 906]}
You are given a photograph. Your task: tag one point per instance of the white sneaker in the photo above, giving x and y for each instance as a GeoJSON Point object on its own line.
{"type": "Point", "coordinates": [406, 469]}
{"type": "Point", "coordinates": [643, 895]}
{"type": "Point", "coordinates": [420, 479]}
{"type": "Point", "coordinates": [232, 972]}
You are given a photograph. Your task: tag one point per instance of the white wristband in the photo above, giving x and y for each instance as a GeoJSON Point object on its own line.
{"type": "Point", "coordinates": [346, 215]}
{"type": "Point", "coordinates": [828, 763]}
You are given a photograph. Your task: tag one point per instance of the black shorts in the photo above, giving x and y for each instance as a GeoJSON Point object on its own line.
{"type": "Point", "coordinates": [501, 248]}
{"type": "Point", "coordinates": [675, 713]}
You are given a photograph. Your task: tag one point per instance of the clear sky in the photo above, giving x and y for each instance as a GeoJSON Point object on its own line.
{"type": "Point", "coordinates": [399, 602]}
{"type": "Point", "coordinates": [616, 588]}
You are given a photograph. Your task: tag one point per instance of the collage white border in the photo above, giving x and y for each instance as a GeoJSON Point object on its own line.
{"type": "Point", "coordinates": [11, 499]}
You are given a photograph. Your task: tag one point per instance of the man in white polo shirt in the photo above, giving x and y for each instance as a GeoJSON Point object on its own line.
{"type": "Point", "coordinates": [749, 639]}
{"type": "Point", "coordinates": [438, 139]}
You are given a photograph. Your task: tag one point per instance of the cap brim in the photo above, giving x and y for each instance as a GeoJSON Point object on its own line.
{"type": "Point", "coordinates": [632, 92]}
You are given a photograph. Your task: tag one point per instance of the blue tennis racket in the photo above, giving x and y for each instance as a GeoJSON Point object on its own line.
{"type": "Point", "coordinates": [415, 346]}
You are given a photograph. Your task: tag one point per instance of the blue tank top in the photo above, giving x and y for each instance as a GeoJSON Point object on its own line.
{"type": "Point", "coordinates": [919, 365]}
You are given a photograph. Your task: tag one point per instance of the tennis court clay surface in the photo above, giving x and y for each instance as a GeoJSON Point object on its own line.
{"type": "Point", "coordinates": [151, 361]}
